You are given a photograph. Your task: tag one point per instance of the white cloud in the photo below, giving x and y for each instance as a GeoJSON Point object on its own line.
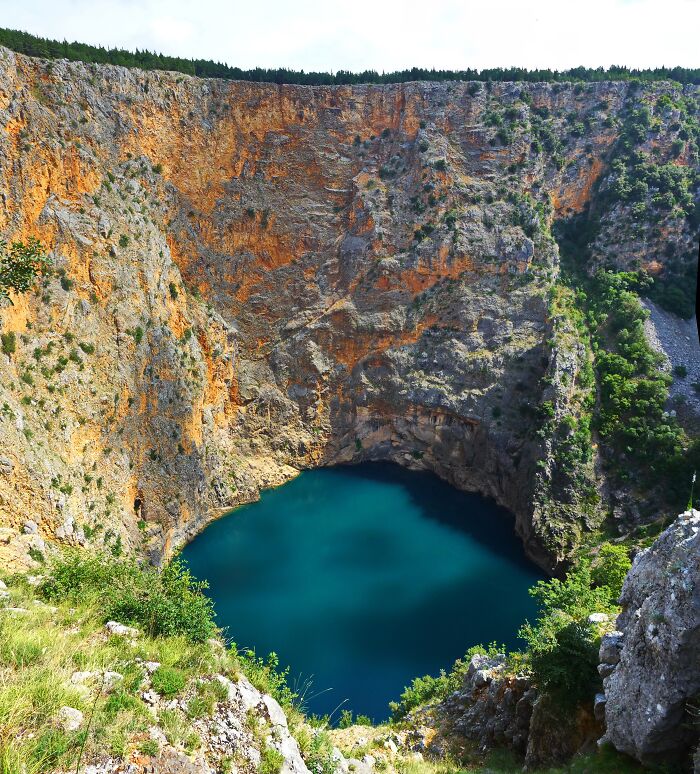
{"type": "Point", "coordinates": [379, 34]}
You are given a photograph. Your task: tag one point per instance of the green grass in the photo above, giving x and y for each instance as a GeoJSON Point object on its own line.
{"type": "Point", "coordinates": [41, 648]}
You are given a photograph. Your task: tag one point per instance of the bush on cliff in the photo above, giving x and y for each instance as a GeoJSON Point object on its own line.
{"type": "Point", "coordinates": [20, 264]}
{"type": "Point", "coordinates": [610, 568]}
{"type": "Point", "coordinates": [562, 646]}
{"type": "Point", "coordinates": [161, 602]}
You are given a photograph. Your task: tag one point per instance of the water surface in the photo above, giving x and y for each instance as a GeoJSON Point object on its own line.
{"type": "Point", "coordinates": [363, 577]}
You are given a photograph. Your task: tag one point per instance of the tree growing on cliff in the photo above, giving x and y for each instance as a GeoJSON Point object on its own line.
{"type": "Point", "coordinates": [562, 650]}
{"type": "Point", "coordinates": [20, 264]}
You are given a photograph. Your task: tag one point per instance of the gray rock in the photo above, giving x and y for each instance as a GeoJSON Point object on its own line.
{"type": "Point", "coordinates": [70, 718]}
{"type": "Point", "coordinates": [79, 678]}
{"type": "Point", "coordinates": [610, 647]}
{"type": "Point", "coordinates": [605, 670]}
{"type": "Point", "coordinates": [65, 530]}
{"type": "Point", "coordinates": [120, 630]}
{"type": "Point", "coordinates": [599, 706]}
{"type": "Point", "coordinates": [659, 665]}
{"type": "Point", "coordinates": [30, 527]}
{"type": "Point", "coordinates": [6, 465]}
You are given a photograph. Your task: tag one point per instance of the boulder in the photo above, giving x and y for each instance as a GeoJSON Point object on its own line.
{"type": "Point", "coordinates": [610, 648]}
{"type": "Point", "coordinates": [657, 676]}
{"type": "Point", "coordinates": [70, 718]}
{"type": "Point", "coordinates": [120, 630]}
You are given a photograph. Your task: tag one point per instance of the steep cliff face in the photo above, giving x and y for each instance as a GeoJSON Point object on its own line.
{"type": "Point", "coordinates": [651, 661]}
{"type": "Point", "coordinates": [253, 279]}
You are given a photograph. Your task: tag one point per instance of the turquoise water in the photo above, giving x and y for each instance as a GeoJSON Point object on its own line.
{"type": "Point", "coordinates": [363, 577]}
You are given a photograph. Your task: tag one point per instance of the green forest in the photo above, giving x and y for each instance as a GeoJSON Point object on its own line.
{"type": "Point", "coordinates": [32, 45]}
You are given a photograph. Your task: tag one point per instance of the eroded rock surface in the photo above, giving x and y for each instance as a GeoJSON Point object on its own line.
{"type": "Point", "coordinates": [254, 279]}
{"type": "Point", "coordinates": [654, 658]}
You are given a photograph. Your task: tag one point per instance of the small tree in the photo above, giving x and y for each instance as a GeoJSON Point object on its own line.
{"type": "Point", "coordinates": [610, 568]}
{"type": "Point", "coordinates": [20, 264]}
{"type": "Point", "coordinates": [562, 647]}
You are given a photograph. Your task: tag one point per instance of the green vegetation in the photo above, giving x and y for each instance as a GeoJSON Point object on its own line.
{"type": "Point", "coordinates": [167, 602]}
{"type": "Point", "coordinates": [631, 417]}
{"type": "Point", "coordinates": [33, 45]}
{"type": "Point", "coordinates": [42, 648]}
{"type": "Point", "coordinates": [655, 186]}
{"type": "Point", "coordinates": [429, 689]}
{"type": "Point", "coordinates": [168, 681]}
{"type": "Point", "coordinates": [9, 343]}
{"type": "Point", "coordinates": [610, 568]}
{"type": "Point", "coordinates": [605, 760]}
{"type": "Point", "coordinates": [562, 646]}
{"type": "Point", "coordinates": [20, 264]}
{"type": "Point", "coordinates": [271, 761]}
{"type": "Point", "coordinates": [346, 719]}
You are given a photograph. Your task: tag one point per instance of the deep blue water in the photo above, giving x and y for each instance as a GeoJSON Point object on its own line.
{"type": "Point", "coordinates": [363, 577]}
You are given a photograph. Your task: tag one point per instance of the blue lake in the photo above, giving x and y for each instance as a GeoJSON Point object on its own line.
{"type": "Point", "coordinates": [364, 577]}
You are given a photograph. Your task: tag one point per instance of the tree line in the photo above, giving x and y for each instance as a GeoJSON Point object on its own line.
{"type": "Point", "coordinates": [32, 45]}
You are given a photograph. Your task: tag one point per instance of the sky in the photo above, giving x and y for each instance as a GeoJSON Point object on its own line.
{"type": "Point", "coordinates": [380, 34]}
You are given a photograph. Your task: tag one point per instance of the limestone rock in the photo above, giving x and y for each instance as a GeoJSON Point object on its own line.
{"type": "Point", "coordinates": [70, 718]}
{"type": "Point", "coordinates": [311, 282]}
{"type": "Point", "coordinates": [658, 673]}
{"type": "Point", "coordinates": [120, 630]}
{"type": "Point", "coordinates": [611, 647]}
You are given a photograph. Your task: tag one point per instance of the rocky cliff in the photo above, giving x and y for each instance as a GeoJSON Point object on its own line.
{"type": "Point", "coordinates": [252, 279]}
{"type": "Point", "coordinates": [651, 662]}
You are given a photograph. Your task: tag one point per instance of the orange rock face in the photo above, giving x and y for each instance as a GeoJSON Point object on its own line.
{"type": "Point", "coordinates": [256, 278]}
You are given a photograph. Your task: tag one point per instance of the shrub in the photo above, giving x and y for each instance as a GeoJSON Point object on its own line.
{"type": "Point", "coordinates": [271, 762]}
{"type": "Point", "coordinates": [680, 371]}
{"type": "Point", "coordinates": [167, 681]}
{"type": "Point", "coordinates": [266, 675]}
{"type": "Point", "coordinates": [166, 602]}
{"type": "Point", "coordinates": [149, 747]}
{"type": "Point", "coordinates": [20, 264]}
{"type": "Point", "coordinates": [610, 568]}
{"type": "Point", "coordinates": [562, 650]}
{"type": "Point", "coordinates": [123, 240]}
{"type": "Point", "coordinates": [565, 662]}
{"type": "Point", "coordinates": [9, 343]}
